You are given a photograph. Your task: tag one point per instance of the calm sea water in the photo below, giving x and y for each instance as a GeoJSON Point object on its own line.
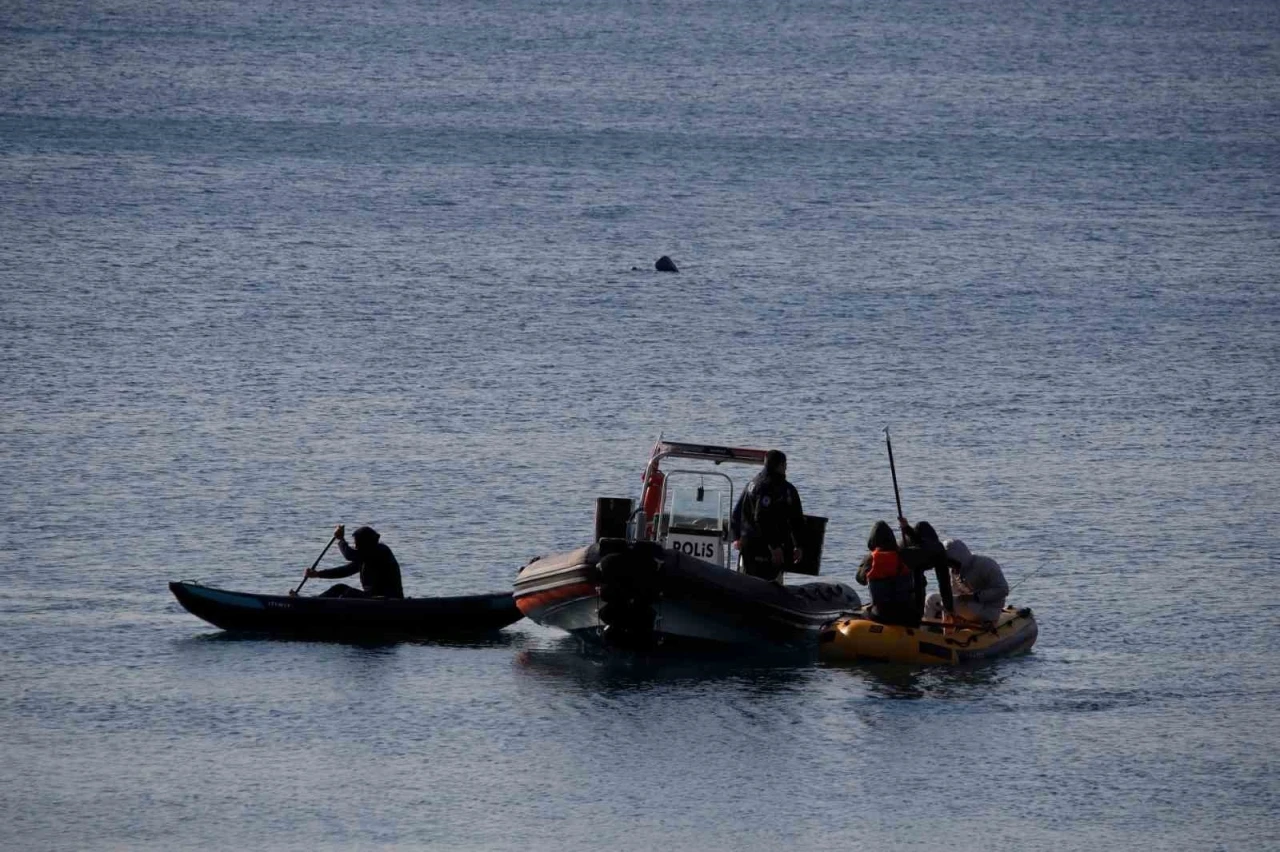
{"type": "Point", "coordinates": [266, 267]}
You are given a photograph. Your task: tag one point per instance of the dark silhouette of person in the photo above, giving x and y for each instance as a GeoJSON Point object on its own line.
{"type": "Point", "coordinates": [371, 559]}
{"type": "Point", "coordinates": [922, 550]}
{"type": "Point", "coordinates": [768, 521]}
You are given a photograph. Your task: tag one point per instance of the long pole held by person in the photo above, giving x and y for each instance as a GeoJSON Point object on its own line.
{"type": "Point", "coordinates": [329, 544]}
{"type": "Point", "coordinates": [894, 471]}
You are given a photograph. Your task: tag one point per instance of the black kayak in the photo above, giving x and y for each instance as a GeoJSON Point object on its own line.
{"type": "Point", "coordinates": [348, 618]}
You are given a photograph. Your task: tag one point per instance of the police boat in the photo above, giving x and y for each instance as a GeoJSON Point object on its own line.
{"type": "Point", "coordinates": [661, 572]}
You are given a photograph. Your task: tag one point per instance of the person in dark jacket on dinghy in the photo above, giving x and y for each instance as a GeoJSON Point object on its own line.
{"type": "Point", "coordinates": [768, 521]}
{"type": "Point", "coordinates": [371, 559]}
{"type": "Point", "coordinates": [891, 579]}
{"type": "Point", "coordinates": [922, 551]}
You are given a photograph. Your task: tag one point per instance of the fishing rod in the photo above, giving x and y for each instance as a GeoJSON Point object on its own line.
{"type": "Point", "coordinates": [1026, 578]}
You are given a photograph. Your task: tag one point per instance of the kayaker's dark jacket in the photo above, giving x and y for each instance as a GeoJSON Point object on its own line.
{"type": "Point", "coordinates": [375, 563]}
{"type": "Point", "coordinates": [768, 514]}
{"type": "Point", "coordinates": [922, 551]}
{"type": "Point", "coordinates": [892, 582]}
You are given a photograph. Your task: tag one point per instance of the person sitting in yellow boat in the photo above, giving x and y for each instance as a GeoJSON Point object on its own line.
{"type": "Point", "coordinates": [891, 580]}
{"type": "Point", "coordinates": [977, 584]}
{"type": "Point", "coordinates": [923, 552]}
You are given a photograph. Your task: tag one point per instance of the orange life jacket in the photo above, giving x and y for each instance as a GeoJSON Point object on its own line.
{"type": "Point", "coordinates": [886, 565]}
{"type": "Point", "coordinates": [893, 588]}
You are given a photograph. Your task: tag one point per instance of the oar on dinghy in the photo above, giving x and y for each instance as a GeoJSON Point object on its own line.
{"type": "Point", "coordinates": [894, 472]}
{"type": "Point", "coordinates": [329, 544]}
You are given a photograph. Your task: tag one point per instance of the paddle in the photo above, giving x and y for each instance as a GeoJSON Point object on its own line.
{"type": "Point", "coordinates": [332, 539]}
{"type": "Point", "coordinates": [894, 471]}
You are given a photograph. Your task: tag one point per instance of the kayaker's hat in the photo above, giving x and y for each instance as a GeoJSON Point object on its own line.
{"type": "Point", "coordinates": [365, 534]}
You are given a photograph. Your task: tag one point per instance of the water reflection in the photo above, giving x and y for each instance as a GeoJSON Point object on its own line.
{"type": "Point", "coordinates": [590, 669]}
{"type": "Point", "coordinates": [484, 640]}
{"type": "Point", "coordinates": [904, 682]}
{"type": "Point", "coordinates": [566, 662]}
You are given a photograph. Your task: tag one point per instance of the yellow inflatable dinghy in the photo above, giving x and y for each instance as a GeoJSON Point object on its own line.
{"type": "Point", "coordinates": [859, 639]}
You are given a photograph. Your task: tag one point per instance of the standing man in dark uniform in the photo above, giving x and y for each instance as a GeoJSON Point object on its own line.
{"type": "Point", "coordinates": [768, 521]}
{"type": "Point", "coordinates": [371, 559]}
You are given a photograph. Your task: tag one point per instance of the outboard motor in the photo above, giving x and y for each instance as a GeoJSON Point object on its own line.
{"type": "Point", "coordinates": [629, 596]}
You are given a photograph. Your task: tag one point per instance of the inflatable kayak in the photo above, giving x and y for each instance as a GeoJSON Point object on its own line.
{"type": "Point", "coordinates": [348, 618]}
{"type": "Point", "coordinates": [859, 639]}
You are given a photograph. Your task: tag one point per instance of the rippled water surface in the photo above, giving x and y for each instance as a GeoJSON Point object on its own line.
{"type": "Point", "coordinates": [271, 266]}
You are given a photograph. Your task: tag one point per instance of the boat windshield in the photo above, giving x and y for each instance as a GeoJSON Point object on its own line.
{"type": "Point", "coordinates": [695, 516]}
{"type": "Point", "coordinates": [699, 508]}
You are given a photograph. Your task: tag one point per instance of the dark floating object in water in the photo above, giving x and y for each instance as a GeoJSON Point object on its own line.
{"type": "Point", "coordinates": [665, 264]}
{"type": "Point", "coordinates": [348, 618]}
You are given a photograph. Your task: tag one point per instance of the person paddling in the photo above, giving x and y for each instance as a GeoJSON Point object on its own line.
{"type": "Point", "coordinates": [372, 560]}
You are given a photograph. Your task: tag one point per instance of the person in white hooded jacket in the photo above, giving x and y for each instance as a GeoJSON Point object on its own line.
{"type": "Point", "coordinates": [977, 585]}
